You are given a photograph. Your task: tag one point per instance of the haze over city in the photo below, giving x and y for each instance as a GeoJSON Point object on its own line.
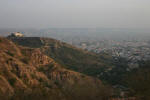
{"type": "Point", "coordinates": [74, 14]}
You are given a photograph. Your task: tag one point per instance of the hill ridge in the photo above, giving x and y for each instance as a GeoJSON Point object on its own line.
{"type": "Point", "coordinates": [26, 72]}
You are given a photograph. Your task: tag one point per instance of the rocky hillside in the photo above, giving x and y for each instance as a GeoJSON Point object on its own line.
{"type": "Point", "coordinates": [69, 56]}
{"type": "Point", "coordinates": [34, 73]}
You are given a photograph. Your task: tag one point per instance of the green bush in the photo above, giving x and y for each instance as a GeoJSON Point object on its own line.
{"type": "Point", "coordinates": [41, 80]}
{"type": "Point", "coordinates": [41, 69]}
{"type": "Point", "coordinates": [12, 81]}
{"type": "Point", "coordinates": [9, 53]}
{"type": "Point", "coordinates": [25, 60]}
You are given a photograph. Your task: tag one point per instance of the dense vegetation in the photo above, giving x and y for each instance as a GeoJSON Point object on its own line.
{"type": "Point", "coordinates": [139, 82]}
{"type": "Point", "coordinates": [117, 74]}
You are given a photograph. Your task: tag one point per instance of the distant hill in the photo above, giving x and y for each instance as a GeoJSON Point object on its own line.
{"type": "Point", "coordinates": [39, 73]}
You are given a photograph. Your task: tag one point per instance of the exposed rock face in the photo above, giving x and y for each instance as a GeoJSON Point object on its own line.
{"type": "Point", "coordinates": [23, 68]}
{"type": "Point", "coordinates": [5, 87]}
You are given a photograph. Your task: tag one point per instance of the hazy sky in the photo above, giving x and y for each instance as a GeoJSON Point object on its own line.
{"type": "Point", "coordinates": [74, 13]}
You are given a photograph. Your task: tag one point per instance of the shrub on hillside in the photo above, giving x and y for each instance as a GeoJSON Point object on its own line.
{"type": "Point", "coordinates": [12, 81]}
{"type": "Point", "coordinates": [9, 53]}
{"type": "Point", "coordinates": [25, 60]}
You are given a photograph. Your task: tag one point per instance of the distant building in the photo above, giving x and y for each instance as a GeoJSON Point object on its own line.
{"type": "Point", "coordinates": [84, 46]}
{"type": "Point", "coordinates": [16, 34]}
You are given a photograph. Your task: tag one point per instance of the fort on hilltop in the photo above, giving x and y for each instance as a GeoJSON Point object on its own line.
{"type": "Point", "coordinates": [16, 34]}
